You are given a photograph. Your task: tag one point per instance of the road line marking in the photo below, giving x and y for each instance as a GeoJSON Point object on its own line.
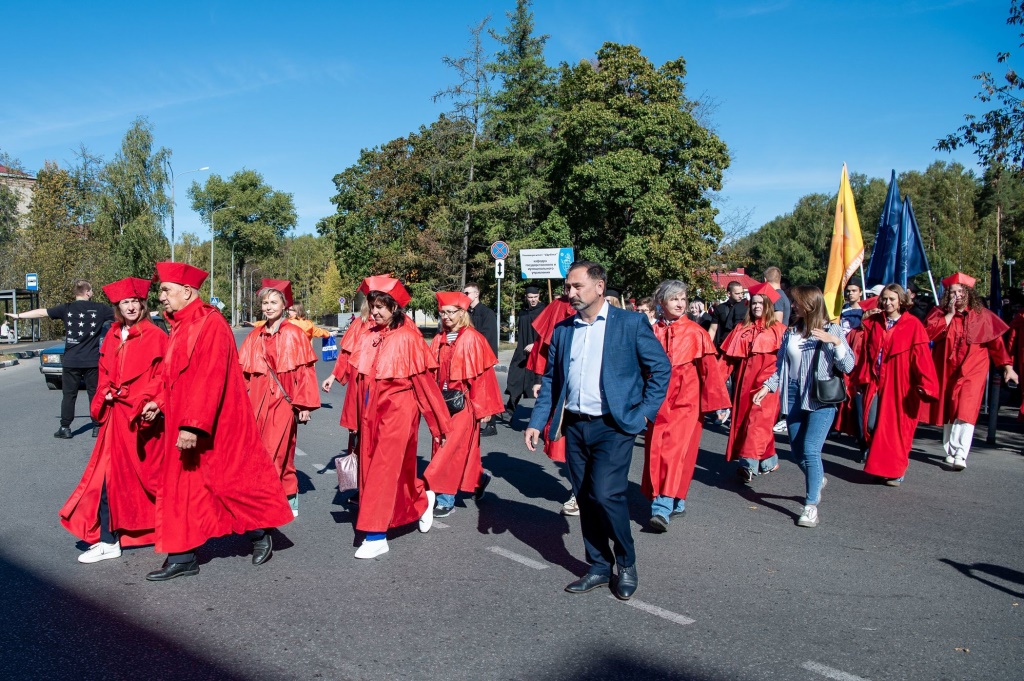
{"type": "Point", "coordinates": [522, 560]}
{"type": "Point", "coordinates": [299, 452]}
{"type": "Point", "coordinates": [438, 523]}
{"type": "Point", "coordinates": [655, 610]}
{"type": "Point", "coordinates": [830, 672]}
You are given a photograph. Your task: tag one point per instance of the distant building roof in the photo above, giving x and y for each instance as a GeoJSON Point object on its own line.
{"type": "Point", "coordinates": [722, 279]}
{"type": "Point", "coordinates": [4, 170]}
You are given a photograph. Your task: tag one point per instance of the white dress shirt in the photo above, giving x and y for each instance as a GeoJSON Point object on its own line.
{"type": "Point", "coordinates": [584, 380]}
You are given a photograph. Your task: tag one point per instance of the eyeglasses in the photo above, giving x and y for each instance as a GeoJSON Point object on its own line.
{"type": "Point", "coordinates": [449, 313]}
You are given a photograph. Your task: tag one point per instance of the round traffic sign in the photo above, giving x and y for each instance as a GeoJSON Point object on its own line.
{"type": "Point", "coordinates": [499, 250]}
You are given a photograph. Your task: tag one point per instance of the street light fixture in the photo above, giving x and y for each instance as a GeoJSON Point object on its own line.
{"type": "Point", "coordinates": [1010, 262]}
{"type": "Point", "coordinates": [212, 237]}
{"type": "Point", "coordinates": [173, 178]}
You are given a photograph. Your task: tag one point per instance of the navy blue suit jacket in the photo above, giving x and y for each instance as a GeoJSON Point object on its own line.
{"type": "Point", "coordinates": [634, 373]}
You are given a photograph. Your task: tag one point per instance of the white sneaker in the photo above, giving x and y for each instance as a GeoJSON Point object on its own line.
{"type": "Point", "coordinates": [372, 549]}
{"type": "Point", "coordinates": [571, 507]}
{"type": "Point", "coordinates": [960, 462]}
{"type": "Point", "coordinates": [949, 459]}
{"type": "Point", "coordinates": [809, 518]}
{"type": "Point", "coordinates": [427, 519]}
{"type": "Point", "coordinates": [779, 427]}
{"type": "Point", "coordinates": [101, 551]}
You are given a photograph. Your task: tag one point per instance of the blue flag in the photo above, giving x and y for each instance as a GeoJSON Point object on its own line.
{"type": "Point", "coordinates": [882, 266]}
{"type": "Point", "coordinates": [995, 295]}
{"type": "Point", "coordinates": [910, 256]}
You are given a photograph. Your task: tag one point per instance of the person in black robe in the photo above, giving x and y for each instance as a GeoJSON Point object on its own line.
{"type": "Point", "coordinates": [520, 379]}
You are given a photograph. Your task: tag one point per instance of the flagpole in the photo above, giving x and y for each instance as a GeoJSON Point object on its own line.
{"type": "Point", "coordinates": [932, 282]}
{"type": "Point", "coordinates": [863, 281]}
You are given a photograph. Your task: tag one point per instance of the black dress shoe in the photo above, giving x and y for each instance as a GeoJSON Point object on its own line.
{"type": "Point", "coordinates": [95, 430]}
{"type": "Point", "coordinates": [63, 433]}
{"type": "Point", "coordinates": [172, 570]}
{"type": "Point", "coordinates": [489, 429]}
{"type": "Point", "coordinates": [481, 485]}
{"type": "Point", "coordinates": [262, 549]}
{"type": "Point", "coordinates": [588, 582]}
{"type": "Point", "coordinates": [658, 523]}
{"type": "Point", "coordinates": [625, 584]}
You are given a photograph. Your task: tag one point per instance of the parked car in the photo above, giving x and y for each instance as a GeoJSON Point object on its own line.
{"type": "Point", "coordinates": [51, 366]}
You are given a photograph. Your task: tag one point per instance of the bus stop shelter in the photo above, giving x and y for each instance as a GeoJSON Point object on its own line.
{"type": "Point", "coordinates": [21, 300]}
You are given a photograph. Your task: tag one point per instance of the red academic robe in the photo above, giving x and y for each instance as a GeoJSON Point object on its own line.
{"type": "Point", "coordinates": [227, 483]}
{"type": "Point", "coordinates": [1015, 341]}
{"type": "Point", "coordinates": [906, 371]}
{"type": "Point", "coordinates": [346, 368]}
{"type": "Point", "coordinates": [961, 352]}
{"type": "Point", "coordinates": [127, 450]}
{"type": "Point", "coordinates": [695, 387]}
{"type": "Point", "coordinates": [394, 386]}
{"type": "Point", "coordinates": [537, 362]}
{"type": "Point", "coordinates": [846, 414]}
{"type": "Point", "coordinates": [466, 365]}
{"type": "Point", "coordinates": [288, 353]}
{"type": "Point", "coordinates": [751, 352]}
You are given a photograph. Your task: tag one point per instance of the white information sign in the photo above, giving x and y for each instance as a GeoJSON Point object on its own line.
{"type": "Point", "coordinates": [545, 263]}
{"type": "Point", "coordinates": [499, 269]}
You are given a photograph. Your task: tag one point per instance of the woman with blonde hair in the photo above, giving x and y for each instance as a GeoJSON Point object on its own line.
{"type": "Point", "coordinates": [465, 364]}
{"type": "Point", "coordinates": [812, 351]}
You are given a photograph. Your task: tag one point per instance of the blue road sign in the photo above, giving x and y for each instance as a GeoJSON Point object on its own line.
{"type": "Point", "coordinates": [499, 250]}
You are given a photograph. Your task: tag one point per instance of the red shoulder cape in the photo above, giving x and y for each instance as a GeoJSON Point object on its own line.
{"type": "Point", "coordinates": [293, 350]}
{"type": "Point", "coordinates": [744, 341]}
{"type": "Point", "coordinates": [474, 357]}
{"type": "Point", "coordinates": [684, 341]}
{"type": "Point", "coordinates": [545, 322]}
{"type": "Point", "coordinates": [981, 327]}
{"type": "Point", "coordinates": [395, 353]}
{"type": "Point", "coordinates": [150, 349]}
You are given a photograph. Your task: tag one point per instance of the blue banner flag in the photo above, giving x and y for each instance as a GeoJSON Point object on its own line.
{"type": "Point", "coordinates": [995, 295]}
{"type": "Point", "coordinates": [882, 266]}
{"type": "Point", "coordinates": [910, 256]}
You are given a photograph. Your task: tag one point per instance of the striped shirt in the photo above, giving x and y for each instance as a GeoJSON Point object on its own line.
{"type": "Point", "coordinates": [832, 358]}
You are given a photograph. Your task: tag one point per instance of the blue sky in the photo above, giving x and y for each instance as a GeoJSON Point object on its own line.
{"type": "Point", "coordinates": [295, 90]}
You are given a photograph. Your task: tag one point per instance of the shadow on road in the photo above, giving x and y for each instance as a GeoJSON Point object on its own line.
{"type": "Point", "coordinates": [53, 633]}
{"type": "Point", "coordinates": [544, 530]}
{"type": "Point", "coordinates": [598, 665]}
{"type": "Point", "coordinates": [985, 572]}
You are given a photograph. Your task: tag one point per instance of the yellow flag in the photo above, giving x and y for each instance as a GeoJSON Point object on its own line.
{"type": "Point", "coordinates": [847, 253]}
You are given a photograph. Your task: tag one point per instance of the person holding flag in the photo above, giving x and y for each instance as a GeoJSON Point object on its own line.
{"type": "Point", "coordinates": [965, 337]}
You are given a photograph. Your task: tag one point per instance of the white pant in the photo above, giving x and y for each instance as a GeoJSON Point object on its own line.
{"type": "Point", "coordinates": [957, 438]}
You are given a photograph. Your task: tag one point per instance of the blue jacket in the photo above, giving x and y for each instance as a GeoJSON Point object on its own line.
{"type": "Point", "coordinates": [635, 373]}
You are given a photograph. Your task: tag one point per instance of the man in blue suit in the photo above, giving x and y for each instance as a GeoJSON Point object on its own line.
{"type": "Point", "coordinates": [606, 378]}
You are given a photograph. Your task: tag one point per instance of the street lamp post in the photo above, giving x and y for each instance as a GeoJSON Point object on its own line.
{"type": "Point", "coordinates": [212, 238]}
{"type": "Point", "coordinates": [173, 178]}
{"type": "Point", "coordinates": [1010, 262]}
{"type": "Point", "coordinates": [251, 303]}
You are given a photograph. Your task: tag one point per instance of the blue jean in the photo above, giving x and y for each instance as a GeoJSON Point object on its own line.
{"type": "Point", "coordinates": [666, 506]}
{"type": "Point", "coordinates": [807, 431]}
{"type": "Point", "coordinates": [758, 467]}
{"type": "Point", "coordinates": [445, 500]}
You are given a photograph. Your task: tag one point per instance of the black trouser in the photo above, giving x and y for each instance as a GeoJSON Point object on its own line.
{"type": "Point", "coordinates": [598, 456]}
{"type": "Point", "coordinates": [70, 380]}
{"type": "Point", "coordinates": [106, 536]}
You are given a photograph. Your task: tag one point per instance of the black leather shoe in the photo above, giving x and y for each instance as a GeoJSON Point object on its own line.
{"type": "Point", "coordinates": [262, 549]}
{"type": "Point", "coordinates": [625, 584]}
{"type": "Point", "coordinates": [172, 570]}
{"type": "Point", "coordinates": [658, 523]}
{"type": "Point", "coordinates": [489, 429]}
{"type": "Point", "coordinates": [588, 582]}
{"type": "Point", "coordinates": [95, 430]}
{"type": "Point", "coordinates": [485, 479]}
{"type": "Point", "coordinates": [63, 433]}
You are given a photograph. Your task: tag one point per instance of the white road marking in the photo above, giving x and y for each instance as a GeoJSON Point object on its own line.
{"type": "Point", "coordinates": [655, 610]}
{"type": "Point", "coordinates": [438, 523]}
{"type": "Point", "coordinates": [522, 560]}
{"type": "Point", "coordinates": [830, 672]}
{"type": "Point", "coordinates": [299, 452]}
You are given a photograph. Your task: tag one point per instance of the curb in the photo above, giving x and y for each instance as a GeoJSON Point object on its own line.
{"type": "Point", "coordinates": [9, 363]}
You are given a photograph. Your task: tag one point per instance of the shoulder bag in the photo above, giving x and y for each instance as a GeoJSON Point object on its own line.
{"type": "Point", "coordinates": [826, 390]}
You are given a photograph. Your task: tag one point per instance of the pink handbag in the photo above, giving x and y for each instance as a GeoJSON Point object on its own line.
{"type": "Point", "coordinates": [348, 472]}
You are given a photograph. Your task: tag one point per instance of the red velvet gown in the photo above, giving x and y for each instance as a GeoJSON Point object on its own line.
{"type": "Point", "coordinates": [288, 353]}
{"type": "Point", "coordinates": [466, 365]}
{"type": "Point", "coordinates": [695, 387]}
{"type": "Point", "coordinates": [751, 352]}
{"type": "Point", "coordinates": [394, 386]}
{"type": "Point", "coordinates": [346, 369]}
{"type": "Point", "coordinates": [906, 370]}
{"type": "Point", "coordinates": [127, 450]}
{"type": "Point", "coordinates": [961, 352]}
{"type": "Point", "coordinates": [537, 362]}
{"type": "Point", "coordinates": [227, 483]}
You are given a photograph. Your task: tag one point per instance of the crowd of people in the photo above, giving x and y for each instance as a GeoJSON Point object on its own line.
{"type": "Point", "coordinates": [196, 440]}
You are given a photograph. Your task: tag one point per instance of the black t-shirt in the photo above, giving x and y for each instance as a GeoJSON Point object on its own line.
{"type": "Point", "coordinates": [83, 322]}
{"type": "Point", "coordinates": [727, 315]}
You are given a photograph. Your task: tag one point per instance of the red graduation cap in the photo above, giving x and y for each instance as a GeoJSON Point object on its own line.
{"type": "Point", "coordinates": [129, 287]}
{"type": "Point", "coordinates": [283, 286]}
{"type": "Point", "coordinates": [389, 285]}
{"type": "Point", "coordinates": [180, 273]}
{"type": "Point", "coordinates": [764, 289]}
{"type": "Point", "coordinates": [959, 278]}
{"type": "Point", "coordinates": [455, 298]}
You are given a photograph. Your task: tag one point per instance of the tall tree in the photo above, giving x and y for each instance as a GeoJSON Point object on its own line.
{"type": "Point", "coordinates": [633, 170]}
{"type": "Point", "coordinates": [257, 218]}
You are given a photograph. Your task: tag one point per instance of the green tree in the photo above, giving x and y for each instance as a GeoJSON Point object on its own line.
{"type": "Point", "coordinates": [255, 218]}
{"type": "Point", "coordinates": [330, 291]}
{"type": "Point", "coordinates": [633, 170]}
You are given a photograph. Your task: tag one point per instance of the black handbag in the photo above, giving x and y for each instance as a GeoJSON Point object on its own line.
{"type": "Point", "coordinates": [455, 399]}
{"type": "Point", "coordinates": [827, 390]}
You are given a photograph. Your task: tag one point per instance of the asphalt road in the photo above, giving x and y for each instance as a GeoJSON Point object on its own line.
{"type": "Point", "coordinates": [923, 581]}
